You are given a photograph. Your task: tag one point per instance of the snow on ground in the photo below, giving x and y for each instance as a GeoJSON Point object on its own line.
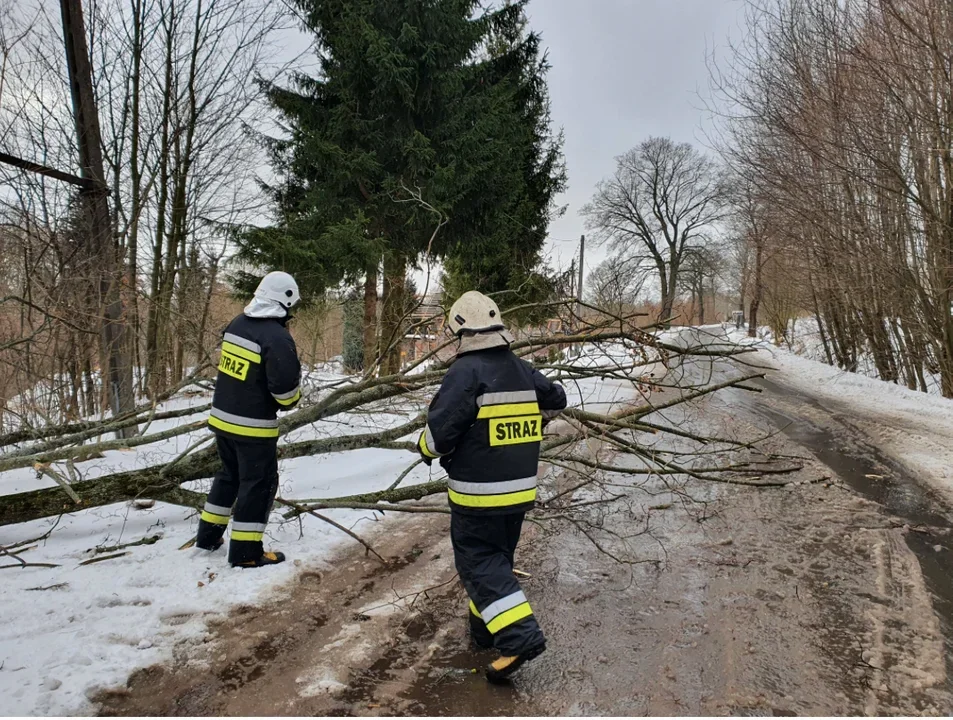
{"type": "Point", "coordinates": [914, 427]}
{"type": "Point", "coordinates": [804, 339]}
{"type": "Point", "coordinates": [83, 627]}
{"type": "Point", "coordinates": [75, 629]}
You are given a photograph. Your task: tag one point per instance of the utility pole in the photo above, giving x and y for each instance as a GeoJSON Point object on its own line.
{"type": "Point", "coordinates": [582, 258]}
{"type": "Point", "coordinates": [577, 315]}
{"type": "Point", "coordinates": [115, 366]}
{"type": "Point", "coordinates": [572, 278]}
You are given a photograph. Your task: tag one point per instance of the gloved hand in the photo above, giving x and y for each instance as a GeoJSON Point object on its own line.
{"type": "Point", "coordinates": [549, 416]}
{"type": "Point", "coordinates": [423, 456]}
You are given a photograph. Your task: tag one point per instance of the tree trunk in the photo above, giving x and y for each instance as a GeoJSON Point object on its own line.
{"type": "Point", "coordinates": [154, 362]}
{"type": "Point", "coordinates": [757, 291]}
{"type": "Point", "coordinates": [668, 302]}
{"type": "Point", "coordinates": [117, 366]}
{"type": "Point", "coordinates": [370, 318]}
{"type": "Point", "coordinates": [395, 273]}
{"type": "Point", "coordinates": [148, 483]}
{"type": "Point", "coordinates": [670, 287]}
{"type": "Point", "coordinates": [701, 302]}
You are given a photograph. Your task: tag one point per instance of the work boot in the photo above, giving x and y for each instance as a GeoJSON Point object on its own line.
{"type": "Point", "coordinates": [503, 667]}
{"type": "Point", "coordinates": [267, 558]}
{"type": "Point", "coordinates": [211, 548]}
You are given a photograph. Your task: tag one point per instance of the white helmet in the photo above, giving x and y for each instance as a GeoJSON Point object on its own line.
{"type": "Point", "coordinates": [280, 287]}
{"type": "Point", "coordinates": [474, 312]}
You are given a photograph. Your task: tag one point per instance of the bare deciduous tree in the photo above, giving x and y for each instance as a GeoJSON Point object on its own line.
{"type": "Point", "coordinates": [178, 103]}
{"type": "Point", "coordinates": [616, 284]}
{"type": "Point", "coordinates": [839, 113]}
{"type": "Point", "coordinates": [663, 199]}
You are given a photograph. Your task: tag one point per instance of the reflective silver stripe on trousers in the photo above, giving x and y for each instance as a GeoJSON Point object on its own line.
{"type": "Point", "coordinates": [502, 605]}
{"type": "Point", "coordinates": [242, 342]}
{"type": "Point", "coordinates": [249, 527]}
{"type": "Point", "coordinates": [218, 509]}
{"type": "Point", "coordinates": [246, 421]}
{"type": "Point", "coordinates": [492, 488]}
{"type": "Point", "coordinates": [503, 398]}
{"type": "Point", "coordinates": [286, 396]}
{"type": "Point", "coordinates": [431, 443]}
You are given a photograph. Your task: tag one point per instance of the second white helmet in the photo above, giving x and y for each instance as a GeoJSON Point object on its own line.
{"type": "Point", "coordinates": [280, 287]}
{"type": "Point", "coordinates": [474, 312]}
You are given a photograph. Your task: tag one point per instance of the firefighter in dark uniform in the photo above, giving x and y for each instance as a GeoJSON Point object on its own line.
{"type": "Point", "coordinates": [258, 375]}
{"type": "Point", "coordinates": [486, 424]}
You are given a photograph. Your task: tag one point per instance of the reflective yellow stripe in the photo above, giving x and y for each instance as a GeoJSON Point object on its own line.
{"type": "Point", "coordinates": [241, 352]}
{"type": "Point", "coordinates": [495, 411]}
{"type": "Point", "coordinates": [509, 617]}
{"type": "Point", "coordinates": [473, 609]}
{"type": "Point", "coordinates": [242, 429]}
{"type": "Point", "coordinates": [214, 519]}
{"type": "Point", "coordinates": [423, 445]}
{"type": "Point", "coordinates": [290, 401]}
{"type": "Point", "coordinates": [247, 536]}
{"type": "Point", "coordinates": [517, 498]}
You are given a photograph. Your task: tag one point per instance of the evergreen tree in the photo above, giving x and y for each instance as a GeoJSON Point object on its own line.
{"type": "Point", "coordinates": [506, 259]}
{"type": "Point", "coordinates": [353, 343]}
{"type": "Point", "coordinates": [410, 119]}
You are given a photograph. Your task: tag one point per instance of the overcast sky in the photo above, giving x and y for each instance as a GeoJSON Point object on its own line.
{"type": "Point", "coordinates": [623, 70]}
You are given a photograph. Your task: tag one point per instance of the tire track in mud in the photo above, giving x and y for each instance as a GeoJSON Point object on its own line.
{"type": "Point", "coordinates": [908, 635]}
{"type": "Point", "coordinates": [294, 654]}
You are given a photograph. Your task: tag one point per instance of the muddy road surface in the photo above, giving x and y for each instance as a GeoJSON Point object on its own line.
{"type": "Point", "coordinates": [820, 598]}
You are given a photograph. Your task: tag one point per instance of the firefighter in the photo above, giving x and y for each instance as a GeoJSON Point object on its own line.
{"type": "Point", "coordinates": [258, 375]}
{"type": "Point", "coordinates": [485, 424]}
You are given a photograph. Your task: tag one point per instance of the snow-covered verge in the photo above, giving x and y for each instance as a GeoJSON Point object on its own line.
{"type": "Point", "coordinates": [804, 339]}
{"type": "Point", "coordinates": [74, 629]}
{"type": "Point", "coordinates": [915, 427]}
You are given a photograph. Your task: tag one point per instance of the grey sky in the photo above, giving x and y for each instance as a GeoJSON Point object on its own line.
{"type": "Point", "coordinates": [623, 70]}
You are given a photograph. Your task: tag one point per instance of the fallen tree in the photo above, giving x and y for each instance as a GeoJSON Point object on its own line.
{"type": "Point", "coordinates": [621, 432]}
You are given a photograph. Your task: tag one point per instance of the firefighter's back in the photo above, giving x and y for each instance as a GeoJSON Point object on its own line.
{"type": "Point", "coordinates": [494, 467]}
{"type": "Point", "coordinates": [243, 406]}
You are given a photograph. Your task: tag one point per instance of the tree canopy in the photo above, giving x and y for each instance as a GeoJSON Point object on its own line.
{"type": "Point", "coordinates": [425, 111]}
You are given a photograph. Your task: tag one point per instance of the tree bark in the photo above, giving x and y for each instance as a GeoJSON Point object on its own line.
{"type": "Point", "coordinates": [395, 273]}
{"type": "Point", "coordinates": [370, 318]}
{"type": "Point", "coordinates": [117, 366]}
{"type": "Point", "coordinates": [757, 291]}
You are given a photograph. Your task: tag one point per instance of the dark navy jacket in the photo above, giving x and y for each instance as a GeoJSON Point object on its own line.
{"type": "Point", "coordinates": [258, 374]}
{"type": "Point", "coordinates": [486, 424]}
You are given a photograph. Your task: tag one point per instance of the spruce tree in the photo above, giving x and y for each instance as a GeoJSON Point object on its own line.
{"type": "Point", "coordinates": [409, 119]}
{"type": "Point", "coordinates": [506, 259]}
{"type": "Point", "coordinates": [353, 341]}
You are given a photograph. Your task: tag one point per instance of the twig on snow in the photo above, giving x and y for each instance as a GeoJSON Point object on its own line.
{"type": "Point", "coordinates": [103, 558]}
{"type": "Point", "coordinates": [329, 521]}
{"type": "Point", "coordinates": [42, 469]}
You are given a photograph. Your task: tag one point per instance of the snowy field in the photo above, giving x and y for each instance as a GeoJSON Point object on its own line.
{"type": "Point", "coordinates": [77, 628]}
